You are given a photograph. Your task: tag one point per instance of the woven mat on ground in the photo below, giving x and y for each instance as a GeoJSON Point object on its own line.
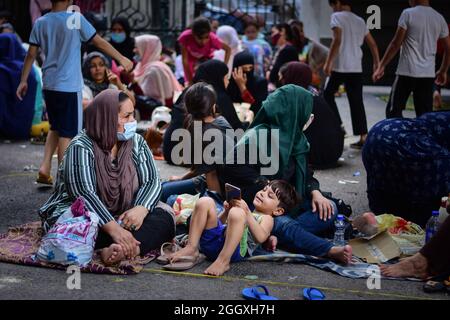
{"type": "Point", "coordinates": [20, 245]}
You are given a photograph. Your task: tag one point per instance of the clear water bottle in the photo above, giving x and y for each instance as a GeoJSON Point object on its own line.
{"type": "Point", "coordinates": [432, 226]}
{"type": "Point", "coordinates": [339, 239]}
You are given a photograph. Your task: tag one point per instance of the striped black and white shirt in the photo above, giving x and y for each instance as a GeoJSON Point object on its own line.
{"type": "Point", "coordinates": [77, 178]}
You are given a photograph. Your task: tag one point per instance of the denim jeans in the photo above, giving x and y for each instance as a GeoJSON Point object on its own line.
{"type": "Point", "coordinates": [192, 186]}
{"type": "Point", "coordinates": [305, 234]}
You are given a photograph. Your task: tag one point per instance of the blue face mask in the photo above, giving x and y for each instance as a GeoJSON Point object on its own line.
{"type": "Point", "coordinates": [118, 37]}
{"type": "Point", "coordinates": [130, 131]}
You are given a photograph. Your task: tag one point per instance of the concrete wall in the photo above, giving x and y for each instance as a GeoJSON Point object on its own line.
{"type": "Point", "coordinates": [315, 14]}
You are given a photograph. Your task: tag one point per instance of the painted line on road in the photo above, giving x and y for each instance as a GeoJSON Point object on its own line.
{"type": "Point", "coordinates": [285, 284]}
{"type": "Point", "coordinates": [14, 175]}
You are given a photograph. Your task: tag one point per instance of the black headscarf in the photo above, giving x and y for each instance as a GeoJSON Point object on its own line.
{"type": "Point", "coordinates": [126, 48]}
{"type": "Point", "coordinates": [255, 84]}
{"type": "Point", "coordinates": [213, 72]}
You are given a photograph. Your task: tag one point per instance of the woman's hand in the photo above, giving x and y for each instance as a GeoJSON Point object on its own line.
{"type": "Point", "coordinates": [122, 237]}
{"type": "Point", "coordinates": [134, 218]}
{"type": "Point", "coordinates": [175, 178]}
{"type": "Point", "coordinates": [323, 205]}
{"type": "Point", "coordinates": [241, 79]}
{"type": "Point", "coordinates": [114, 79]}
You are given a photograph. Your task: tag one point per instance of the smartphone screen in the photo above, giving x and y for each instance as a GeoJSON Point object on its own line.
{"type": "Point", "coordinates": [232, 192]}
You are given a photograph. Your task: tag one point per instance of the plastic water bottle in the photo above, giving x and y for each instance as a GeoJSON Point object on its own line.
{"type": "Point", "coordinates": [339, 240]}
{"type": "Point", "coordinates": [443, 214]}
{"type": "Point", "coordinates": [432, 226]}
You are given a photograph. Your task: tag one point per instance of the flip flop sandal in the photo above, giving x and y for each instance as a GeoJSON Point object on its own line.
{"type": "Point", "coordinates": [164, 259]}
{"type": "Point", "coordinates": [313, 294]}
{"type": "Point", "coordinates": [44, 179]}
{"type": "Point", "coordinates": [254, 293]}
{"type": "Point", "coordinates": [185, 263]}
{"type": "Point", "coordinates": [434, 287]}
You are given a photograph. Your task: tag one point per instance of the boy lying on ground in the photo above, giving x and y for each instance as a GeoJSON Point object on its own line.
{"type": "Point", "coordinates": [235, 233]}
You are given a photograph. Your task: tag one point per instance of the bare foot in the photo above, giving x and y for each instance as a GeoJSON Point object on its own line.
{"type": "Point", "coordinates": [414, 267]}
{"type": "Point", "coordinates": [341, 254]}
{"type": "Point", "coordinates": [366, 224]}
{"type": "Point", "coordinates": [188, 251]}
{"type": "Point", "coordinates": [218, 268]}
{"type": "Point", "coordinates": [112, 255]}
{"type": "Point", "coordinates": [271, 243]}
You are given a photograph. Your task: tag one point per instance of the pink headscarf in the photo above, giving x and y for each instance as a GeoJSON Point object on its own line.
{"type": "Point", "coordinates": [155, 78]}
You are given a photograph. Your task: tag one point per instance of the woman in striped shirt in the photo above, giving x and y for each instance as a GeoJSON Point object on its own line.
{"type": "Point", "coordinates": [112, 168]}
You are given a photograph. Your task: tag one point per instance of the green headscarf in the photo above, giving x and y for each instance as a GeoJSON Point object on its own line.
{"type": "Point", "coordinates": [287, 109]}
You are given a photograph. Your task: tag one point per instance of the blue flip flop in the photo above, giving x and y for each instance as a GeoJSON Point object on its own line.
{"type": "Point", "coordinates": [313, 294]}
{"type": "Point", "coordinates": [255, 294]}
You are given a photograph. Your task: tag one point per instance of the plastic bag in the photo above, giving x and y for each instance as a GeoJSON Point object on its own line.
{"type": "Point", "coordinates": [71, 240]}
{"type": "Point", "coordinates": [184, 206]}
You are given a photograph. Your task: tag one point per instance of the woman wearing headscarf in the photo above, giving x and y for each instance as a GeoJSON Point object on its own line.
{"type": "Point", "coordinates": [98, 77]}
{"type": "Point", "coordinates": [154, 77]}
{"type": "Point", "coordinates": [282, 38]}
{"type": "Point", "coordinates": [215, 73]}
{"type": "Point", "coordinates": [230, 37]}
{"type": "Point", "coordinates": [324, 135]}
{"type": "Point", "coordinates": [15, 116]}
{"type": "Point", "coordinates": [112, 168]}
{"type": "Point", "coordinates": [288, 110]}
{"type": "Point", "coordinates": [121, 38]}
{"type": "Point", "coordinates": [253, 89]}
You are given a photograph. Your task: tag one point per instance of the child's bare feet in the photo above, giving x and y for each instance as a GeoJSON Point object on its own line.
{"type": "Point", "coordinates": [341, 254]}
{"type": "Point", "coordinates": [415, 266]}
{"type": "Point", "coordinates": [366, 224]}
{"type": "Point", "coordinates": [112, 255]}
{"type": "Point", "coordinates": [188, 251]}
{"type": "Point", "coordinates": [218, 268]}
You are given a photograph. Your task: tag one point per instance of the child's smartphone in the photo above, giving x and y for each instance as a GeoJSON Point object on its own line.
{"type": "Point", "coordinates": [232, 192]}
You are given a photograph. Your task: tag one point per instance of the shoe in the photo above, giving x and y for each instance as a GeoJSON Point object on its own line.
{"type": "Point", "coordinates": [44, 179]}
{"type": "Point", "coordinates": [358, 145]}
{"type": "Point", "coordinates": [255, 293]}
{"type": "Point", "coordinates": [185, 263]}
{"type": "Point", "coordinates": [167, 250]}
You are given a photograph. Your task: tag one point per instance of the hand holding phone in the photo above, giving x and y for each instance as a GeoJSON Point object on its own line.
{"type": "Point", "coordinates": [232, 193]}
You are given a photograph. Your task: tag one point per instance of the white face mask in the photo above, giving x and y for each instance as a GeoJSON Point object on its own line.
{"type": "Point", "coordinates": [310, 121]}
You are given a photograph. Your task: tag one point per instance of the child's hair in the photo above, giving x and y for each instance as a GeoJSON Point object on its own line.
{"type": "Point", "coordinates": [199, 101]}
{"type": "Point", "coordinates": [286, 194]}
{"type": "Point", "coordinates": [296, 28]}
{"type": "Point", "coordinates": [287, 29]}
{"type": "Point", "coordinates": [343, 2]}
{"type": "Point", "coordinates": [252, 23]}
{"type": "Point", "coordinates": [201, 26]}
{"type": "Point", "coordinates": [4, 14]}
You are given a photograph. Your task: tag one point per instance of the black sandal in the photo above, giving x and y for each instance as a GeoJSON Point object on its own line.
{"type": "Point", "coordinates": [358, 145]}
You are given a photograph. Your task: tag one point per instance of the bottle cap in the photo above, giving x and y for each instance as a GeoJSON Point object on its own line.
{"type": "Point", "coordinates": [435, 213]}
{"type": "Point", "coordinates": [340, 217]}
